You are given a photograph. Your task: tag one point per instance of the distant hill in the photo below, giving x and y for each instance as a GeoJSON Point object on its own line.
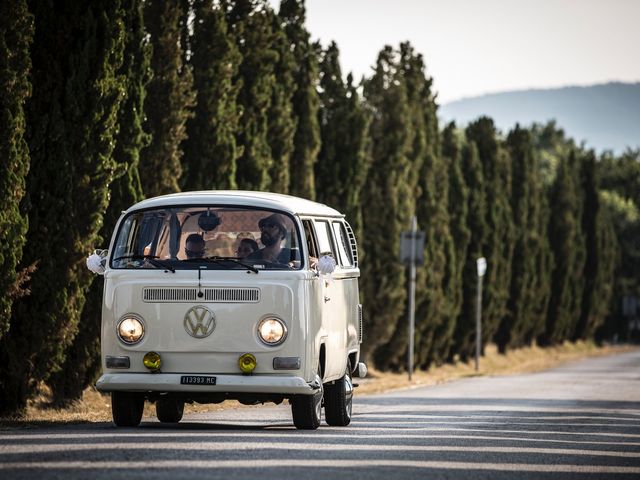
{"type": "Point", "coordinates": [605, 117]}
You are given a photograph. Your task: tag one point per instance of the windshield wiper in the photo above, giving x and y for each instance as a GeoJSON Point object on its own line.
{"type": "Point", "coordinates": [152, 259]}
{"type": "Point", "coordinates": [221, 260]}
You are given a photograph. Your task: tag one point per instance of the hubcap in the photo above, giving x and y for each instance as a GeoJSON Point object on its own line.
{"type": "Point", "coordinates": [318, 398]}
{"type": "Point", "coordinates": [348, 393]}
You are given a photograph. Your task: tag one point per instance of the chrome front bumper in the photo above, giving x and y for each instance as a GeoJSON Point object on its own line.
{"type": "Point", "coordinates": [170, 382]}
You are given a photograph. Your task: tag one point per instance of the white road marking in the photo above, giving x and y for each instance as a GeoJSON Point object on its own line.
{"type": "Point", "coordinates": [633, 420]}
{"type": "Point", "coordinates": [315, 463]}
{"type": "Point", "coordinates": [491, 407]}
{"type": "Point", "coordinates": [261, 446]}
{"type": "Point", "coordinates": [462, 429]}
{"type": "Point", "coordinates": [497, 421]}
{"type": "Point", "coordinates": [214, 435]}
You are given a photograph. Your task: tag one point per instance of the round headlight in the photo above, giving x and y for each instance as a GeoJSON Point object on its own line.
{"type": "Point", "coordinates": [130, 329]}
{"type": "Point", "coordinates": [272, 331]}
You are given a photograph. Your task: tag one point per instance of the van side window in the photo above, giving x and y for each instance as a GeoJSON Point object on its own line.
{"type": "Point", "coordinates": [343, 246]}
{"type": "Point", "coordinates": [310, 238]}
{"type": "Point", "coordinates": [325, 242]}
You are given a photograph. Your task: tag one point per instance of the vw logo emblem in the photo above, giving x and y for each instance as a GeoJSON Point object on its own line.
{"type": "Point", "coordinates": [199, 321]}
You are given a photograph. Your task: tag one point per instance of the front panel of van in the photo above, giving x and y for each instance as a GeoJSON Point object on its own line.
{"type": "Point", "coordinates": [236, 300]}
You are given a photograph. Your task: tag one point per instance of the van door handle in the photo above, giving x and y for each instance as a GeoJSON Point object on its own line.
{"type": "Point", "coordinates": [326, 299]}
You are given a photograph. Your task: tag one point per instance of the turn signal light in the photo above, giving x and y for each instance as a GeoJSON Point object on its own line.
{"type": "Point", "coordinates": [152, 361]}
{"type": "Point", "coordinates": [247, 363]}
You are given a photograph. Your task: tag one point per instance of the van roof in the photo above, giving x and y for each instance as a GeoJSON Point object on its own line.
{"type": "Point", "coordinates": [277, 201]}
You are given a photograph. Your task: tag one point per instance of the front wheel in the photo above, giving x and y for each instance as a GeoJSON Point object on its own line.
{"type": "Point", "coordinates": [169, 409]}
{"type": "Point", "coordinates": [338, 400]}
{"type": "Point", "coordinates": [307, 409]}
{"type": "Point", "coordinates": [126, 408]}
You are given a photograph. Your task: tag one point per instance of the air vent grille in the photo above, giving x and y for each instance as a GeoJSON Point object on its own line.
{"type": "Point", "coordinates": [359, 323]}
{"type": "Point", "coordinates": [214, 295]}
{"type": "Point", "coordinates": [231, 294]}
{"type": "Point", "coordinates": [169, 295]}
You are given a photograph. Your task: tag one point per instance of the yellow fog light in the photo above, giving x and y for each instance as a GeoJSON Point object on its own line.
{"type": "Point", "coordinates": [152, 361]}
{"type": "Point", "coordinates": [247, 363]}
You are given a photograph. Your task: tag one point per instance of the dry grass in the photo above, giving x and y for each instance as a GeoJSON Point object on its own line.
{"type": "Point", "coordinates": [96, 407]}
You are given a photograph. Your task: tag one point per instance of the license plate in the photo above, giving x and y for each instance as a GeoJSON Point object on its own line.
{"type": "Point", "coordinates": [197, 380]}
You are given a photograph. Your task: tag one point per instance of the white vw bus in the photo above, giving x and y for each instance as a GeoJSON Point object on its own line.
{"type": "Point", "coordinates": [219, 295]}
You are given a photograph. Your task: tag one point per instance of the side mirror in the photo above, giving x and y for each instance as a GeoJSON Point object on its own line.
{"type": "Point", "coordinates": [326, 264]}
{"type": "Point", "coordinates": [97, 260]}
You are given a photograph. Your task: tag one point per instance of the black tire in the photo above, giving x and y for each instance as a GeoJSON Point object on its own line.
{"type": "Point", "coordinates": [169, 409]}
{"type": "Point", "coordinates": [126, 408]}
{"type": "Point", "coordinates": [307, 409]}
{"type": "Point", "coordinates": [338, 400]}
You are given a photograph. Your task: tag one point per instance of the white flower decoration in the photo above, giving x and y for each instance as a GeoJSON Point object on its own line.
{"type": "Point", "coordinates": [326, 265]}
{"type": "Point", "coordinates": [96, 261]}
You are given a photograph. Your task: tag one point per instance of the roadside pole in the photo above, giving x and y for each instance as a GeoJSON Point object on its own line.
{"type": "Point", "coordinates": [481, 264]}
{"type": "Point", "coordinates": [412, 253]}
{"type": "Point", "coordinates": [412, 299]}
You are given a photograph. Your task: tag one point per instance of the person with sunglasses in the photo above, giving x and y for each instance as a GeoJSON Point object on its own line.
{"type": "Point", "coordinates": [194, 246]}
{"type": "Point", "coordinates": [272, 233]}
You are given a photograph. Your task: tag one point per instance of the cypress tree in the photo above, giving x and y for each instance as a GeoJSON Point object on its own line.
{"type": "Point", "coordinates": [519, 315]}
{"type": "Point", "coordinates": [253, 33]}
{"type": "Point", "coordinates": [539, 294]}
{"type": "Point", "coordinates": [428, 180]}
{"type": "Point", "coordinates": [343, 162]}
{"type": "Point", "coordinates": [281, 118]}
{"type": "Point", "coordinates": [333, 111]}
{"type": "Point", "coordinates": [170, 98]}
{"type": "Point", "coordinates": [498, 245]}
{"type": "Point", "coordinates": [458, 207]}
{"type": "Point", "coordinates": [551, 146]}
{"type": "Point", "coordinates": [601, 254]}
{"type": "Point", "coordinates": [453, 236]}
{"type": "Point", "coordinates": [464, 333]}
{"type": "Point", "coordinates": [568, 247]}
{"type": "Point", "coordinates": [434, 322]}
{"type": "Point", "coordinates": [267, 124]}
{"type": "Point", "coordinates": [16, 33]}
{"type": "Point", "coordinates": [211, 152]}
{"type": "Point", "coordinates": [435, 313]}
{"type": "Point", "coordinates": [72, 117]}
{"type": "Point", "coordinates": [625, 216]}
{"type": "Point", "coordinates": [305, 99]}
{"type": "Point", "coordinates": [389, 199]}
{"type": "Point", "coordinates": [410, 70]}
{"type": "Point", "coordinates": [356, 148]}
{"type": "Point", "coordinates": [82, 358]}
{"type": "Point", "coordinates": [620, 179]}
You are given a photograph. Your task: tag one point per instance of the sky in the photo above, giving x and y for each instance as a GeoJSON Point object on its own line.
{"type": "Point", "coordinates": [472, 47]}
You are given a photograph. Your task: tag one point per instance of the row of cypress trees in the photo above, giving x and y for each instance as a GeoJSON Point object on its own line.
{"type": "Point", "coordinates": [105, 103]}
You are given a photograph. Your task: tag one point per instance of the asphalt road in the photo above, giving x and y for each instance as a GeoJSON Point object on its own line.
{"type": "Point", "coordinates": [578, 421]}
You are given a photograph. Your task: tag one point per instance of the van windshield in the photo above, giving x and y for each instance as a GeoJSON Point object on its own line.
{"type": "Point", "coordinates": [220, 237]}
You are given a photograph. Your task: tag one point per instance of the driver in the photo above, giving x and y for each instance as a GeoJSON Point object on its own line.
{"type": "Point", "coordinates": [272, 233]}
